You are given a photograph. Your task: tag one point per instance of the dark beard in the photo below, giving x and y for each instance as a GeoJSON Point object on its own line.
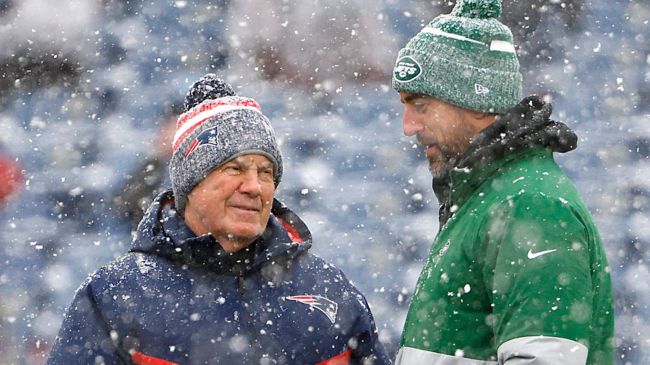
{"type": "Point", "coordinates": [447, 160]}
{"type": "Point", "coordinates": [440, 169]}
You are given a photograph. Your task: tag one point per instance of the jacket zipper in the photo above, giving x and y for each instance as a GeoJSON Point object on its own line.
{"type": "Point", "coordinates": [240, 284]}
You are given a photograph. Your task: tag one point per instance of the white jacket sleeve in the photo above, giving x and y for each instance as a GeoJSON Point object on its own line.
{"type": "Point", "coordinates": [542, 350]}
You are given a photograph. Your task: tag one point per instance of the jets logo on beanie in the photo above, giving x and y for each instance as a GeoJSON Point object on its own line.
{"type": "Point", "coordinates": [466, 58]}
{"type": "Point", "coordinates": [217, 126]}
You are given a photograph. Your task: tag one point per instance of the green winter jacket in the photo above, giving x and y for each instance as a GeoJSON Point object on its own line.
{"type": "Point", "coordinates": [518, 273]}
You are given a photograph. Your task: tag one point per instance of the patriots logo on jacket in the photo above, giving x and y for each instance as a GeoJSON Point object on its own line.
{"type": "Point", "coordinates": [327, 307]}
{"type": "Point", "coordinates": [209, 136]}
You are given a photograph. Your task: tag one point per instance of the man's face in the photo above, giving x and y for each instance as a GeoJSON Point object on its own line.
{"type": "Point", "coordinates": [444, 130]}
{"type": "Point", "coordinates": [233, 202]}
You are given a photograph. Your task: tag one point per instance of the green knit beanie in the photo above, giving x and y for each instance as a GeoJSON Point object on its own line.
{"type": "Point", "coordinates": [466, 58]}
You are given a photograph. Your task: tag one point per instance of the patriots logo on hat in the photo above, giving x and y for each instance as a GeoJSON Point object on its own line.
{"type": "Point", "coordinates": [209, 136]}
{"type": "Point", "coordinates": [326, 306]}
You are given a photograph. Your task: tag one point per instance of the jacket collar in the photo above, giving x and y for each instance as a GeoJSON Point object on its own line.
{"type": "Point", "coordinates": [524, 130]}
{"type": "Point", "coordinates": [464, 181]}
{"type": "Point", "coordinates": [163, 232]}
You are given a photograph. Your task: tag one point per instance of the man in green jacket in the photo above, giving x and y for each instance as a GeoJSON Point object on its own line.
{"type": "Point", "coordinates": [517, 273]}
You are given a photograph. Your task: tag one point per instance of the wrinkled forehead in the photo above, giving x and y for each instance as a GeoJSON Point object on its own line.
{"type": "Point", "coordinates": [252, 159]}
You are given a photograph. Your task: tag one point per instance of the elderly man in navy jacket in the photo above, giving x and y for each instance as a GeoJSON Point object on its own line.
{"type": "Point", "coordinates": [219, 271]}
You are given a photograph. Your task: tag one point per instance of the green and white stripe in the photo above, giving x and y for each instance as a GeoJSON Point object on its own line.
{"type": "Point", "coordinates": [494, 45]}
{"type": "Point", "coordinates": [537, 350]}
{"type": "Point", "coordinates": [413, 356]}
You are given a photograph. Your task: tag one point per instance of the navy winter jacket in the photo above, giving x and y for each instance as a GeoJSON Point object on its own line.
{"type": "Point", "coordinates": [180, 299]}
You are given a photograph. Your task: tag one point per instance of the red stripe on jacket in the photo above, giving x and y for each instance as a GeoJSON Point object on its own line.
{"type": "Point", "coordinates": [293, 234]}
{"type": "Point", "coordinates": [141, 359]}
{"type": "Point", "coordinates": [340, 359]}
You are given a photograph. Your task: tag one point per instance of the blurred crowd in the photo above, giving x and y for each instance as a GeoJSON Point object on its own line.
{"type": "Point", "coordinates": [90, 91]}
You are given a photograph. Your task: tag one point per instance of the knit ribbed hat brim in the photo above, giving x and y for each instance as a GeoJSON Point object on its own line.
{"type": "Point", "coordinates": [466, 58]}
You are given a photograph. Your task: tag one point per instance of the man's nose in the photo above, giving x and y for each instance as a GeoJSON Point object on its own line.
{"type": "Point", "coordinates": [251, 183]}
{"type": "Point", "coordinates": [410, 125]}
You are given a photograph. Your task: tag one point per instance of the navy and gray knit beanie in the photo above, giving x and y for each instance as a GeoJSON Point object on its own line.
{"type": "Point", "coordinates": [217, 126]}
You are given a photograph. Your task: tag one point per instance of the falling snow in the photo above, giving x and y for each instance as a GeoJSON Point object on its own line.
{"type": "Point", "coordinates": [89, 89]}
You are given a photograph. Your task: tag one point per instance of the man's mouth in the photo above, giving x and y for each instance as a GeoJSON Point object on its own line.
{"type": "Point", "coordinates": [432, 149]}
{"type": "Point", "coordinates": [246, 207]}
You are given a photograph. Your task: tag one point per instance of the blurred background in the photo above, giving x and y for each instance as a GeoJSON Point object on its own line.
{"type": "Point", "coordinates": [90, 89]}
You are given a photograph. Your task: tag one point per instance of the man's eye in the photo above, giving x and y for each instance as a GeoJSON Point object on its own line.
{"type": "Point", "coordinates": [266, 175]}
{"type": "Point", "coordinates": [232, 169]}
{"type": "Point", "coordinates": [418, 107]}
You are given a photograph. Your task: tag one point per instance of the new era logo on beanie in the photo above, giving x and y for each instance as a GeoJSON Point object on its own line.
{"type": "Point", "coordinates": [216, 127]}
{"type": "Point", "coordinates": [466, 58]}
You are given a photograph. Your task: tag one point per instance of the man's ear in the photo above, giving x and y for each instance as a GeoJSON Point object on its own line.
{"type": "Point", "coordinates": [484, 119]}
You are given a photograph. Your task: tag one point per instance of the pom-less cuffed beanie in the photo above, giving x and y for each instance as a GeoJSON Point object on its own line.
{"type": "Point", "coordinates": [466, 58]}
{"type": "Point", "coordinates": [217, 126]}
